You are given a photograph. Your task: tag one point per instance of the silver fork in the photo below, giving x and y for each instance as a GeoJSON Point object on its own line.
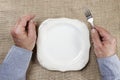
{"type": "Point", "coordinates": [89, 16]}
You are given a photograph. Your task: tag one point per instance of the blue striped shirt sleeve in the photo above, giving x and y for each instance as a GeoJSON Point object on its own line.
{"type": "Point", "coordinates": [15, 64]}
{"type": "Point", "coordinates": [109, 68]}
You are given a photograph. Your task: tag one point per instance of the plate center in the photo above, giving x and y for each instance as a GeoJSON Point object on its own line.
{"type": "Point", "coordinates": [63, 43]}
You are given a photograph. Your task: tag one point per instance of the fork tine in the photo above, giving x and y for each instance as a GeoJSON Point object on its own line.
{"type": "Point", "coordinates": [87, 13]}
{"type": "Point", "coordinates": [89, 16]}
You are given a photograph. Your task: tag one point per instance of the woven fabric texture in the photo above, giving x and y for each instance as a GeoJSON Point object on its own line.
{"type": "Point", "coordinates": [105, 12]}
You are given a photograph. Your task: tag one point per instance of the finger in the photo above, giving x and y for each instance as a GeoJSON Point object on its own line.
{"type": "Point", "coordinates": [24, 20]}
{"type": "Point", "coordinates": [31, 29]}
{"type": "Point", "coordinates": [96, 38]}
{"type": "Point", "coordinates": [35, 23]}
{"type": "Point", "coordinates": [18, 21]}
{"type": "Point", "coordinates": [103, 33]}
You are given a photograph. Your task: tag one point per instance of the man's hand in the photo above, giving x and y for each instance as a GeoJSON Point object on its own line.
{"type": "Point", "coordinates": [104, 42]}
{"type": "Point", "coordinates": [24, 33]}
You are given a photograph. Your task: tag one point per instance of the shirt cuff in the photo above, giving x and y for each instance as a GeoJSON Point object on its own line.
{"type": "Point", "coordinates": [109, 66]}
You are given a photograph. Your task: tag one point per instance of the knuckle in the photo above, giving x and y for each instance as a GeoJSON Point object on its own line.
{"type": "Point", "coordinates": [15, 32]}
{"type": "Point", "coordinates": [12, 31]}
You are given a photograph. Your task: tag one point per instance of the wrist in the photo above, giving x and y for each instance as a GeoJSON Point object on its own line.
{"type": "Point", "coordinates": [104, 55]}
{"type": "Point", "coordinates": [24, 47]}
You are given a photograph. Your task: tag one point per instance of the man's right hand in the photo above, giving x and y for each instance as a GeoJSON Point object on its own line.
{"type": "Point", "coordinates": [24, 33]}
{"type": "Point", "coordinates": [104, 42]}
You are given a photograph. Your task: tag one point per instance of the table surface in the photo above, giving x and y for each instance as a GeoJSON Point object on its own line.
{"type": "Point", "coordinates": [106, 13]}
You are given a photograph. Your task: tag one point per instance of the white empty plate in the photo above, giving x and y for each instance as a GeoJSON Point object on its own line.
{"type": "Point", "coordinates": [63, 44]}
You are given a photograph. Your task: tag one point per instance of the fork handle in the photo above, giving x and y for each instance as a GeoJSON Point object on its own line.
{"type": "Point", "coordinates": [91, 22]}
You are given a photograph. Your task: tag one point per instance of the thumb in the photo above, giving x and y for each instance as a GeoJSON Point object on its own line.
{"type": "Point", "coordinates": [31, 29]}
{"type": "Point", "coordinates": [96, 38]}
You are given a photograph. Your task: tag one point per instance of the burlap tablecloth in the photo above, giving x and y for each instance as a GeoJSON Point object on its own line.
{"type": "Point", "coordinates": [106, 13]}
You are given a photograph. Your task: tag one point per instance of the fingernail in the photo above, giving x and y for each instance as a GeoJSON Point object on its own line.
{"type": "Point", "coordinates": [35, 23]}
{"type": "Point", "coordinates": [93, 30]}
{"type": "Point", "coordinates": [31, 21]}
